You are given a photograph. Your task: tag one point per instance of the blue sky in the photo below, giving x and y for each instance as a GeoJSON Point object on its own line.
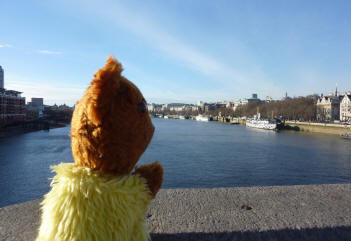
{"type": "Point", "coordinates": [177, 51]}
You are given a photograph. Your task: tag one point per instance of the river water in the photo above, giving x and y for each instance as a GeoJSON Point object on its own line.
{"type": "Point", "coordinates": [193, 154]}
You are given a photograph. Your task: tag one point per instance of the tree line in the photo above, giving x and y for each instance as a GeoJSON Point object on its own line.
{"type": "Point", "coordinates": [298, 108]}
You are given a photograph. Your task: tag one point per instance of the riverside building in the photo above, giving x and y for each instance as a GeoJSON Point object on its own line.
{"type": "Point", "coordinates": [328, 107]}
{"type": "Point", "coordinates": [1, 78]}
{"type": "Point", "coordinates": [345, 108]}
{"type": "Point", "coordinates": [12, 104]}
{"type": "Point", "coordinates": [35, 108]}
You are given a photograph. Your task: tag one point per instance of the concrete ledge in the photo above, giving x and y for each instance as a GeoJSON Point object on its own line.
{"type": "Point", "coordinates": [313, 212]}
{"type": "Point", "coordinates": [323, 128]}
{"type": "Point", "coordinates": [344, 126]}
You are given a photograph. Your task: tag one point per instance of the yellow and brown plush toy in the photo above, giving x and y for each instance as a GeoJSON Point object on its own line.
{"type": "Point", "coordinates": [98, 197]}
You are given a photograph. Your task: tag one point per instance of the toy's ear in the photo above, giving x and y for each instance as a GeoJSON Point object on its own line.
{"type": "Point", "coordinates": [105, 81]}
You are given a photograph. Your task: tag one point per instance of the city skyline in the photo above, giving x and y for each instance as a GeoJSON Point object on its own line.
{"type": "Point", "coordinates": [177, 52]}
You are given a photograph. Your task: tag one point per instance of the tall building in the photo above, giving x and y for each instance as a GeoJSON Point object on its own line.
{"type": "Point", "coordinates": [12, 104]}
{"type": "Point", "coordinates": [345, 108]}
{"type": "Point", "coordinates": [1, 78]}
{"type": "Point", "coordinates": [12, 107]}
{"type": "Point", "coordinates": [254, 98]}
{"type": "Point", "coordinates": [37, 102]}
{"type": "Point", "coordinates": [36, 107]}
{"type": "Point", "coordinates": [328, 107]}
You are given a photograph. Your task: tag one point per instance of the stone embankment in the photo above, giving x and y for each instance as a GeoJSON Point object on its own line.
{"type": "Point", "coordinates": [28, 126]}
{"type": "Point", "coordinates": [313, 212]}
{"type": "Point", "coordinates": [324, 128]}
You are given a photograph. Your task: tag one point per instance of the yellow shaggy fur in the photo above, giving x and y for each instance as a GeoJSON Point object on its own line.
{"type": "Point", "coordinates": [90, 205]}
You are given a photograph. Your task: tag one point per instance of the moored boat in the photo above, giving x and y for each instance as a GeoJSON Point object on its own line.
{"type": "Point", "coordinates": [202, 118]}
{"type": "Point", "coordinates": [257, 122]}
{"type": "Point", "coordinates": [346, 136]}
{"type": "Point", "coordinates": [234, 121]}
{"type": "Point", "coordinates": [261, 124]}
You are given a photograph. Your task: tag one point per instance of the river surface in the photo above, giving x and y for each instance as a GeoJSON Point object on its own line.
{"type": "Point", "coordinates": [193, 154]}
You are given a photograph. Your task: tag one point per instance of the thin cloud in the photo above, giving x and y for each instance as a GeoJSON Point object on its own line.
{"type": "Point", "coordinates": [51, 93]}
{"type": "Point", "coordinates": [173, 47]}
{"type": "Point", "coordinates": [49, 52]}
{"type": "Point", "coordinates": [177, 49]}
{"type": "Point", "coordinates": [6, 46]}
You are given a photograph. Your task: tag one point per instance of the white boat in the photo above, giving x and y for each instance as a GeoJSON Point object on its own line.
{"type": "Point", "coordinates": [202, 118]}
{"type": "Point", "coordinates": [234, 121]}
{"type": "Point", "coordinates": [165, 117]}
{"type": "Point", "coordinates": [346, 136]}
{"type": "Point", "coordinates": [182, 117]}
{"type": "Point", "coordinates": [261, 124]}
{"type": "Point", "coordinates": [257, 122]}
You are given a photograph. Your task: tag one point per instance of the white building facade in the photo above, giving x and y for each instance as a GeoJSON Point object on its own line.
{"type": "Point", "coordinates": [328, 108]}
{"type": "Point", "coordinates": [345, 108]}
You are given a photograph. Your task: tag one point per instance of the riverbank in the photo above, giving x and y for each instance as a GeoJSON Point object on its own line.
{"type": "Point", "coordinates": [323, 128]}
{"type": "Point", "coordinates": [312, 212]}
{"type": "Point", "coordinates": [29, 126]}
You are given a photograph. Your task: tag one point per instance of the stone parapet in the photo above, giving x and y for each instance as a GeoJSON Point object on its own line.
{"type": "Point", "coordinates": [312, 212]}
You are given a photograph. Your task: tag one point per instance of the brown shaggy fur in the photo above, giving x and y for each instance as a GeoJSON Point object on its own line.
{"type": "Point", "coordinates": [109, 132]}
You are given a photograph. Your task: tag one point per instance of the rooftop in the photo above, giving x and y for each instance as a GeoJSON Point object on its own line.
{"type": "Point", "coordinates": [10, 92]}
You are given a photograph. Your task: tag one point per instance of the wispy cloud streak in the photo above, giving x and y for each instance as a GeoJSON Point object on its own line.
{"type": "Point", "coordinates": [6, 46]}
{"type": "Point", "coordinates": [160, 39]}
{"type": "Point", "coordinates": [146, 26]}
{"type": "Point", "coordinates": [49, 52]}
{"type": "Point", "coordinates": [148, 29]}
{"type": "Point", "coordinates": [51, 93]}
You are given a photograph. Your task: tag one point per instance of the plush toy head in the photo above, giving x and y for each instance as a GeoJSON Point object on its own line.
{"type": "Point", "coordinates": [111, 127]}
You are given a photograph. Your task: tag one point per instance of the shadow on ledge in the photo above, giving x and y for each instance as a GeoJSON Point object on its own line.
{"type": "Point", "coordinates": [313, 234]}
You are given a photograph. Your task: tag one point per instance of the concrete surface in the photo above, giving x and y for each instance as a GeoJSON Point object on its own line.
{"type": "Point", "coordinates": [313, 212]}
{"type": "Point", "coordinates": [323, 128]}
